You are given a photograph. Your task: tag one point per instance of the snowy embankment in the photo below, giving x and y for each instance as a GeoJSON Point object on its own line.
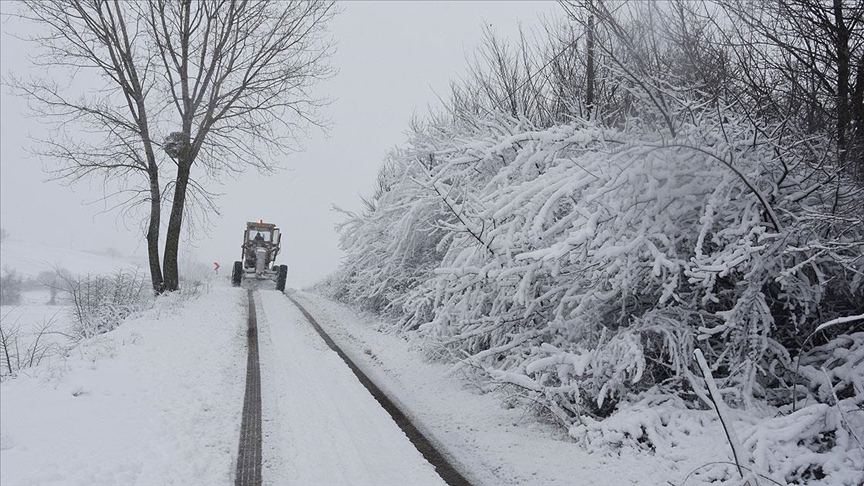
{"type": "Point", "coordinates": [41, 321]}
{"type": "Point", "coordinates": [156, 401]}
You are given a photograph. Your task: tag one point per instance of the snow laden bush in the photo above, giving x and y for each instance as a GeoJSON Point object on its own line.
{"type": "Point", "coordinates": [395, 244]}
{"type": "Point", "coordinates": [581, 263]}
{"type": "Point", "coordinates": [100, 303]}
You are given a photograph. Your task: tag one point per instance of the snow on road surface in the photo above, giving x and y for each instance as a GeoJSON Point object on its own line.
{"type": "Point", "coordinates": [321, 426]}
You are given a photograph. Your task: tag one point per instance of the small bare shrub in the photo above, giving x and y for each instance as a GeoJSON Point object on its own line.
{"type": "Point", "coordinates": [195, 277]}
{"type": "Point", "coordinates": [18, 350]}
{"type": "Point", "coordinates": [101, 302]}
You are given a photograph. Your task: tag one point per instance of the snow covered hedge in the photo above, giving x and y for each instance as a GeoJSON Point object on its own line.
{"type": "Point", "coordinates": [582, 263]}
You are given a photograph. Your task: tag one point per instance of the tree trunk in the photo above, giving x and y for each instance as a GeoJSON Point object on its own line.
{"type": "Point", "coordinates": [843, 72]}
{"type": "Point", "coordinates": [153, 237]}
{"type": "Point", "coordinates": [175, 225]}
{"type": "Point", "coordinates": [858, 116]}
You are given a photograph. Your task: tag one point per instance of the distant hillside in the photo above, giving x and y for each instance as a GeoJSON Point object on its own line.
{"type": "Point", "coordinates": [29, 259]}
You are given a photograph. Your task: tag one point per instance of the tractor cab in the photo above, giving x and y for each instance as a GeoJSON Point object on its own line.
{"type": "Point", "coordinates": [262, 233]}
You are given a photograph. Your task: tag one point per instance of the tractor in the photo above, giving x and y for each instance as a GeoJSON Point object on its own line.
{"type": "Point", "coordinates": [261, 244]}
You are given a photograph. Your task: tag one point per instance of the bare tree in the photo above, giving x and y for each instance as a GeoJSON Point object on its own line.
{"type": "Point", "coordinates": [532, 78]}
{"type": "Point", "coordinates": [238, 73]}
{"type": "Point", "coordinates": [805, 59]}
{"type": "Point", "coordinates": [224, 83]}
{"type": "Point", "coordinates": [99, 37]}
{"type": "Point", "coordinates": [590, 75]}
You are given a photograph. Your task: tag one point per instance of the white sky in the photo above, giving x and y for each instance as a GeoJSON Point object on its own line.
{"type": "Point", "coordinates": [392, 58]}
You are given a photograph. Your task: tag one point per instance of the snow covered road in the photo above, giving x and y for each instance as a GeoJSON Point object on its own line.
{"type": "Point", "coordinates": [320, 425]}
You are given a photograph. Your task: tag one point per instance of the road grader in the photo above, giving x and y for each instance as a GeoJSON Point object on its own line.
{"type": "Point", "coordinates": [261, 243]}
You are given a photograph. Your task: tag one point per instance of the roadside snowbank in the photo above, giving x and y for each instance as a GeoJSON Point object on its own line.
{"type": "Point", "coordinates": [157, 401]}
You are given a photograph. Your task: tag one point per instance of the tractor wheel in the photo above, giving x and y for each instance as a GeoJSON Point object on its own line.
{"type": "Point", "coordinates": [281, 277]}
{"type": "Point", "coordinates": [237, 274]}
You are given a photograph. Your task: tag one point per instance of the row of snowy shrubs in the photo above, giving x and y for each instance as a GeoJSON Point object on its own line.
{"type": "Point", "coordinates": [98, 302]}
{"type": "Point", "coordinates": [588, 262]}
{"type": "Point", "coordinates": [582, 265]}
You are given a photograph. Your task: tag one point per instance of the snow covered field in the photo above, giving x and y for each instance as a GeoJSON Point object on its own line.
{"type": "Point", "coordinates": [30, 259]}
{"type": "Point", "coordinates": [41, 324]}
{"type": "Point", "coordinates": [156, 401]}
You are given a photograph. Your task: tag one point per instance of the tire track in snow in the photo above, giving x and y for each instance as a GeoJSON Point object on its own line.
{"type": "Point", "coordinates": [443, 467]}
{"type": "Point", "coordinates": [249, 455]}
